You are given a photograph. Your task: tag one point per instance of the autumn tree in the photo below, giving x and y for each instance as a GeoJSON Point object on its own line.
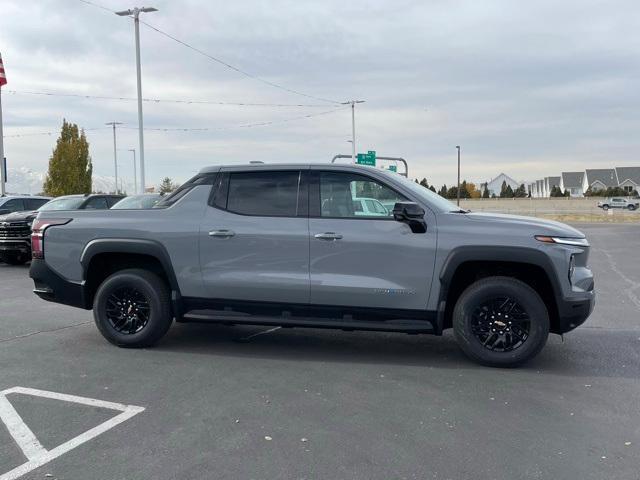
{"type": "Point", "coordinates": [70, 167]}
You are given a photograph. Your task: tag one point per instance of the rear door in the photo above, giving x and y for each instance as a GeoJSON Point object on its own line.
{"type": "Point", "coordinates": [363, 257]}
{"type": "Point", "coordinates": [254, 239]}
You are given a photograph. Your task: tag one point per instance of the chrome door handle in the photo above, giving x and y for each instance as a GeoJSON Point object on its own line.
{"type": "Point", "coordinates": [221, 233]}
{"type": "Point", "coordinates": [328, 236]}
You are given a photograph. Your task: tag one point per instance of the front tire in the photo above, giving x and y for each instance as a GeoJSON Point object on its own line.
{"type": "Point", "coordinates": [132, 308]}
{"type": "Point", "coordinates": [605, 207]}
{"type": "Point", "coordinates": [500, 322]}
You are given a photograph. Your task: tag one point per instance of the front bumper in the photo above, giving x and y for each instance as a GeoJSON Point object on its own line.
{"type": "Point", "coordinates": [51, 286]}
{"type": "Point", "coordinates": [574, 312]}
{"type": "Point", "coordinates": [21, 246]}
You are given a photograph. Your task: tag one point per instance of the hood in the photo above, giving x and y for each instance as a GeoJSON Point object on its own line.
{"type": "Point", "coordinates": [19, 216]}
{"type": "Point", "coordinates": [541, 225]}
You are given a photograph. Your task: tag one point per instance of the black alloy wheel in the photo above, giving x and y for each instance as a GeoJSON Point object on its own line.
{"type": "Point", "coordinates": [501, 324]}
{"type": "Point", "coordinates": [128, 310]}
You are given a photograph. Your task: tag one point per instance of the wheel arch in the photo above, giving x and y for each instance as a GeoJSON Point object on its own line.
{"type": "Point", "coordinates": [103, 257]}
{"type": "Point", "coordinates": [464, 265]}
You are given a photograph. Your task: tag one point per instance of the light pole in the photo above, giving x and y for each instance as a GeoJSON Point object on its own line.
{"type": "Point", "coordinates": [136, 21]}
{"type": "Point", "coordinates": [458, 147]}
{"type": "Point", "coordinates": [135, 173]}
{"type": "Point", "coordinates": [115, 153]}
{"type": "Point", "coordinates": [353, 126]}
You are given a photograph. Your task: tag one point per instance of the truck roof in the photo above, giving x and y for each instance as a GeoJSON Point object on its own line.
{"type": "Point", "coordinates": [262, 165]}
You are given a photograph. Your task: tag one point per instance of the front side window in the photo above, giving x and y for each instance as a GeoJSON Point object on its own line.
{"type": "Point", "coordinates": [347, 195]}
{"type": "Point", "coordinates": [34, 203]}
{"type": "Point", "coordinates": [14, 205]}
{"type": "Point", "coordinates": [268, 194]}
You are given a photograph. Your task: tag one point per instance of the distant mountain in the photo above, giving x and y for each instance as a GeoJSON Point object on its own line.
{"type": "Point", "coordinates": [23, 180]}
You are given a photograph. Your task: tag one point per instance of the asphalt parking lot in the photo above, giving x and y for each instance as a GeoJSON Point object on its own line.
{"type": "Point", "coordinates": [318, 404]}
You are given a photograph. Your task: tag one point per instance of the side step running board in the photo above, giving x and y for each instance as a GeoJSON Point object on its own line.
{"type": "Point", "coordinates": [227, 317]}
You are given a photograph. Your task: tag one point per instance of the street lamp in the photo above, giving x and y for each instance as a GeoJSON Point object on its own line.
{"type": "Point", "coordinates": [135, 13]}
{"type": "Point", "coordinates": [458, 147]}
{"type": "Point", "coordinates": [353, 126]}
{"type": "Point", "coordinates": [115, 153]}
{"type": "Point", "coordinates": [135, 173]}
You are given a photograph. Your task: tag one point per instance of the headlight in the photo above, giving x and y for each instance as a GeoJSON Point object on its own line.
{"type": "Point", "coordinates": [578, 242]}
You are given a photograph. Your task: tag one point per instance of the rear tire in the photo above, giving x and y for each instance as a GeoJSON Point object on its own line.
{"type": "Point", "coordinates": [631, 207]}
{"type": "Point", "coordinates": [132, 308]}
{"type": "Point", "coordinates": [499, 334]}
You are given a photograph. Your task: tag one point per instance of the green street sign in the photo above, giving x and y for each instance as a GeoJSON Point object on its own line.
{"type": "Point", "coordinates": [393, 168]}
{"type": "Point", "coordinates": [368, 158]}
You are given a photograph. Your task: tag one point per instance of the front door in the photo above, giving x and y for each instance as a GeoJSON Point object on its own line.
{"type": "Point", "coordinates": [361, 256]}
{"type": "Point", "coordinates": [254, 239]}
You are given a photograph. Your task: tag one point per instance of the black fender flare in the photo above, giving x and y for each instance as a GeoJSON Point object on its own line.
{"type": "Point", "coordinates": [489, 253]}
{"type": "Point", "coordinates": [150, 248]}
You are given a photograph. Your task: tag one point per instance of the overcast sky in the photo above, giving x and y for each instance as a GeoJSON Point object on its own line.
{"type": "Point", "coordinates": [528, 88]}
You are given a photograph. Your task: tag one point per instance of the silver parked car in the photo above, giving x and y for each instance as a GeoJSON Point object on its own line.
{"type": "Point", "coordinates": [618, 202]}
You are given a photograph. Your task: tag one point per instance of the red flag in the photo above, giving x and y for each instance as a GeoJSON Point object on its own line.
{"type": "Point", "coordinates": [3, 77]}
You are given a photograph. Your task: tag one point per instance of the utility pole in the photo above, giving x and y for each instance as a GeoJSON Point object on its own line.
{"type": "Point", "coordinates": [135, 174]}
{"type": "Point", "coordinates": [135, 13]}
{"type": "Point", "coordinates": [353, 126]}
{"type": "Point", "coordinates": [115, 152]}
{"type": "Point", "coordinates": [458, 147]}
{"type": "Point", "coordinates": [2, 161]}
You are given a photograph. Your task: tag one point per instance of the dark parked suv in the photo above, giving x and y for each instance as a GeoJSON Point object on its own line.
{"type": "Point", "coordinates": [15, 228]}
{"type": "Point", "coordinates": [10, 204]}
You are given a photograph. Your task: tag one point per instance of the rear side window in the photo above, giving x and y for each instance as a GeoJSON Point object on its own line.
{"type": "Point", "coordinates": [268, 194]}
{"type": "Point", "coordinates": [111, 201]}
{"type": "Point", "coordinates": [34, 203]}
{"type": "Point", "coordinates": [97, 203]}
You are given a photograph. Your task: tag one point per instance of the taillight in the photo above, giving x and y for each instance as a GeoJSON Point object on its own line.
{"type": "Point", "coordinates": [37, 233]}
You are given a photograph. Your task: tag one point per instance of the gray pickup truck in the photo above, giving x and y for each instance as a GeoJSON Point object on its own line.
{"type": "Point", "coordinates": [286, 245]}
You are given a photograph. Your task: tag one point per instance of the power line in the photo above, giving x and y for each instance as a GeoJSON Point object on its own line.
{"type": "Point", "coordinates": [162, 100]}
{"type": "Point", "coordinates": [236, 69]}
{"type": "Point", "coordinates": [218, 60]}
{"type": "Point", "coordinates": [245, 125]}
{"type": "Point", "coordinates": [56, 132]}
{"type": "Point", "coordinates": [190, 129]}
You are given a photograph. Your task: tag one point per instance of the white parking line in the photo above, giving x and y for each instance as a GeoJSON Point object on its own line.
{"type": "Point", "coordinates": [36, 454]}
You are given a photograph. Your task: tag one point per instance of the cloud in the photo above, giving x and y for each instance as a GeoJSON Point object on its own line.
{"type": "Point", "coordinates": [529, 88]}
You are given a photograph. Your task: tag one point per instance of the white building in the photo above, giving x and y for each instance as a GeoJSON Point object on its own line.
{"type": "Point", "coordinates": [628, 178]}
{"type": "Point", "coordinates": [495, 185]}
{"type": "Point", "coordinates": [599, 179]}
{"type": "Point", "coordinates": [572, 182]}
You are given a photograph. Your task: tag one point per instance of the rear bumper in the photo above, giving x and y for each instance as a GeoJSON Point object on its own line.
{"type": "Point", "coordinates": [573, 313]}
{"type": "Point", "coordinates": [51, 286]}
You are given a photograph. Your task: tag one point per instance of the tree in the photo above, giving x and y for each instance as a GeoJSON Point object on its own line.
{"type": "Point", "coordinates": [167, 186]}
{"type": "Point", "coordinates": [424, 183]}
{"type": "Point", "coordinates": [70, 168]}
{"type": "Point", "coordinates": [433, 189]}
{"type": "Point", "coordinates": [443, 191]}
{"type": "Point", "coordinates": [520, 192]}
{"type": "Point", "coordinates": [556, 192]}
{"type": "Point", "coordinates": [485, 192]}
{"type": "Point", "coordinates": [503, 189]}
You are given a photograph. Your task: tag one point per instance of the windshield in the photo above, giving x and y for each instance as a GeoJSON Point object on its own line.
{"type": "Point", "coordinates": [68, 203]}
{"type": "Point", "coordinates": [425, 194]}
{"type": "Point", "coordinates": [137, 202]}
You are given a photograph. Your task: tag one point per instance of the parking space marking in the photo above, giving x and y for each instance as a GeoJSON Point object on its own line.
{"type": "Point", "coordinates": [36, 454]}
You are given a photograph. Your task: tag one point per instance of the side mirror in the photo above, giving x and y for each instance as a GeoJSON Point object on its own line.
{"type": "Point", "coordinates": [412, 214]}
